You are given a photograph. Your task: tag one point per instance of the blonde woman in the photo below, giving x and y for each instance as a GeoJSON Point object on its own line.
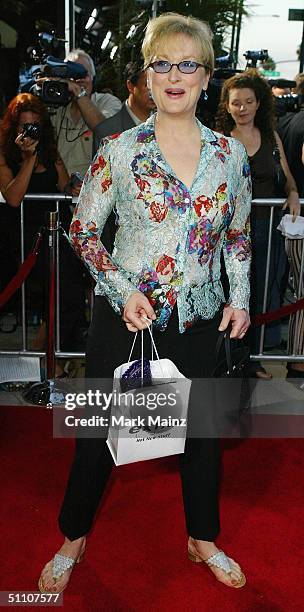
{"type": "Point", "coordinates": [182, 194]}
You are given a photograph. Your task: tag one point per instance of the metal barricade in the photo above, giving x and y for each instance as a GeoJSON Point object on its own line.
{"type": "Point", "coordinates": [57, 198]}
{"type": "Point", "coordinates": [271, 203]}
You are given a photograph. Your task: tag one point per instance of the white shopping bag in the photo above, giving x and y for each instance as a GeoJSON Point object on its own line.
{"type": "Point", "coordinates": [149, 421]}
{"type": "Point", "coordinates": [293, 230]}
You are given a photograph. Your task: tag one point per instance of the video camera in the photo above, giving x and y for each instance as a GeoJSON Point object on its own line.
{"type": "Point", "coordinates": [223, 70]}
{"type": "Point", "coordinates": [51, 91]}
{"type": "Point", "coordinates": [253, 57]}
{"type": "Point", "coordinates": [288, 103]}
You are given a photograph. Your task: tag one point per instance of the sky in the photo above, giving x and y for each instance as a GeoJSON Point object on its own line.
{"type": "Point", "coordinates": [276, 34]}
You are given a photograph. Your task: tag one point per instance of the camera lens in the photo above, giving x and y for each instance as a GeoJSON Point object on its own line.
{"type": "Point", "coordinates": [31, 130]}
{"type": "Point", "coordinates": [53, 91]}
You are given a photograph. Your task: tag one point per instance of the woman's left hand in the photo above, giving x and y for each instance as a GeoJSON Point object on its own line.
{"type": "Point", "coordinates": [293, 204]}
{"type": "Point", "coordinates": [240, 321]}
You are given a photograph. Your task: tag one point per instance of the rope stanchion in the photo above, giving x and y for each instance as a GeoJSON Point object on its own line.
{"type": "Point", "coordinates": [46, 392]}
{"type": "Point", "coordinates": [23, 272]}
{"type": "Point", "coordinates": [50, 318]}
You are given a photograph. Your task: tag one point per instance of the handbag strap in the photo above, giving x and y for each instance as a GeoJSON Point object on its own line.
{"type": "Point", "coordinates": [224, 336]}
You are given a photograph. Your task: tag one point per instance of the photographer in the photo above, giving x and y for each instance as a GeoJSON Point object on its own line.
{"type": "Point", "coordinates": [30, 163]}
{"type": "Point", "coordinates": [75, 122]}
{"type": "Point", "coordinates": [280, 87]}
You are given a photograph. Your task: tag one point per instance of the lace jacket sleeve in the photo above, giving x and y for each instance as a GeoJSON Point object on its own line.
{"type": "Point", "coordinates": [97, 199]}
{"type": "Point", "coordinates": [237, 245]}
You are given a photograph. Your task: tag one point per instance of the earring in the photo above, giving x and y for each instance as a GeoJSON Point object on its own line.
{"type": "Point", "coordinates": [205, 96]}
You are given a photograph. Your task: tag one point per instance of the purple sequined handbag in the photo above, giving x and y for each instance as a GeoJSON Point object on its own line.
{"type": "Point", "coordinates": [137, 375]}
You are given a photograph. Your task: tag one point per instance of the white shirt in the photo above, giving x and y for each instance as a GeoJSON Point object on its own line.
{"type": "Point", "coordinates": [75, 140]}
{"type": "Point", "coordinates": [136, 120]}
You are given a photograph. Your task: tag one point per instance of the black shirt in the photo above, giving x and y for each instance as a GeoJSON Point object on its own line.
{"type": "Point", "coordinates": [291, 131]}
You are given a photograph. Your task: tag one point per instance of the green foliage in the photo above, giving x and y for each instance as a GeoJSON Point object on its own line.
{"type": "Point", "coordinates": [220, 14]}
{"type": "Point", "coordinates": [110, 72]}
{"type": "Point", "coordinates": [269, 64]}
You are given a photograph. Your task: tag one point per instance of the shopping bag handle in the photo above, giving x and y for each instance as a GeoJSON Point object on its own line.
{"type": "Point", "coordinates": [133, 344]}
{"type": "Point", "coordinates": [153, 346]}
{"type": "Point", "coordinates": [151, 336]}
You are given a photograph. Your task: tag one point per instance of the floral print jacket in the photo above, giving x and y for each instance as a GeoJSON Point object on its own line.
{"type": "Point", "coordinates": [169, 238]}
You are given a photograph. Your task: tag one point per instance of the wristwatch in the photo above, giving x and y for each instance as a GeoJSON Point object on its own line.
{"type": "Point", "coordinates": [83, 92]}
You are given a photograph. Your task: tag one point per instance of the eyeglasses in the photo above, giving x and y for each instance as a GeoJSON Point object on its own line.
{"type": "Point", "coordinates": [186, 66]}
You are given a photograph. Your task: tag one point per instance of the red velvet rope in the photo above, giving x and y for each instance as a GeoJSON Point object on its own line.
{"type": "Point", "coordinates": [28, 264]}
{"type": "Point", "coordinates": [22, 273]}
{"type": "Point", "coordinates": [274, 315]}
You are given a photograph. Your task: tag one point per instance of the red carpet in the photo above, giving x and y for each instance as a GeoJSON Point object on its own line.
{"type": "Point", "coordinates": [136, 558]}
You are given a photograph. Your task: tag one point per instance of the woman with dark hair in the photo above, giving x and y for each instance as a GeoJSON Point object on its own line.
{"type": "Point", "coordinates": [33, 165]}
{"type": "Point", "coordinates": [246, 113]}
{"type": "Point", "coordinates": [27, 108]}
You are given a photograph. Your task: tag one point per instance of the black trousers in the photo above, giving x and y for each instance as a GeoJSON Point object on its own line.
{"type": "Point", "coordinates": [109, 344]}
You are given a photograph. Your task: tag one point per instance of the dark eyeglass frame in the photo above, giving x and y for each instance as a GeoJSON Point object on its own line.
{"type": "Point", "coordinates": [197, 65]}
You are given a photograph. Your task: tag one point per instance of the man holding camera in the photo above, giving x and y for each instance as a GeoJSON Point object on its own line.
{"type": "Point", "coordinates": [75, 122]}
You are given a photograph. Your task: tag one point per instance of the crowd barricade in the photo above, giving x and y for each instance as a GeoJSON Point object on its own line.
{"type": "Point", "coordinates": [271, 203]}
{"type": "Point", "coordinates": [24, 351]}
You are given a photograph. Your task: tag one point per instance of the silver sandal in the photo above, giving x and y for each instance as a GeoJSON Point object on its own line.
{"type": "Point", "coordinates": [60, 564]}
{"type": "Point", "coordinates": [219, 560]}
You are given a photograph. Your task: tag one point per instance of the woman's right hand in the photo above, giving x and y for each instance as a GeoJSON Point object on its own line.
{"type": "Point", "coordinates": [137, 307]}
{"type": "Point", "coordinates": [26, 145]}
{"type": "Point", "coordinates": [293, 203]}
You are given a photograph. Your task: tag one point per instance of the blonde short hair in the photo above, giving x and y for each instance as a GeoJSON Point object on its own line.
{"type": "Point", "coordinates": [169, 24]}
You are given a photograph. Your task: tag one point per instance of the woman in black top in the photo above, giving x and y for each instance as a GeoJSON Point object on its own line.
{"type": "Point", "coordinates": [246, 113]}
{"type": "Point", "coordinates": [30, 165]}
